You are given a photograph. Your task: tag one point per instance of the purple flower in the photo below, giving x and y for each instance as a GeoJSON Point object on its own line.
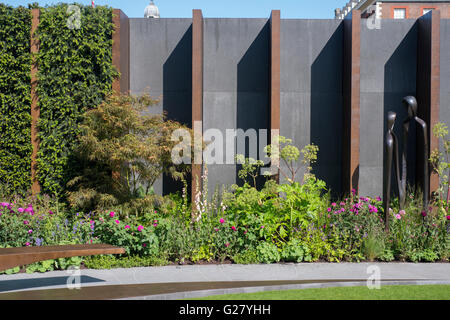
{"type": "Point", "coordinates": [424, 214]}
{"type": "Point", "coordinates": [50, 211]}
{"type": "Point", "coordinates": [378, 199]}
{"type": "Point", "coordinates": [26, 222]}
{"type": "Point", "coordinates": [30, 231]}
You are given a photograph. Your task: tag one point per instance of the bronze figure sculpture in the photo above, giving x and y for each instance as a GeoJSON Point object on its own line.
{"type": "Point", "coordinates": [391, 146]}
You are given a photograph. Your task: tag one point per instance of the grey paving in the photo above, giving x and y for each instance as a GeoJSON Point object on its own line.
{"type": "Point", "coordinates": [394, 273]}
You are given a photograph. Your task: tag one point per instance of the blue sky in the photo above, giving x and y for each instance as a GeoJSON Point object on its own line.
{"type": "Point", "coordinates": [290, 9]}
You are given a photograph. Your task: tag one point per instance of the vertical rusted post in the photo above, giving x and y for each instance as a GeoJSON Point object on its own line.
{"type": "Point", "coordinates": [35, 110]}
{"type": "Point", "coordinates": [275, 77]}
{"type": "Point", "coordinates": [197, 100]}
{"type": "Point", "coordinates": [121, 51]}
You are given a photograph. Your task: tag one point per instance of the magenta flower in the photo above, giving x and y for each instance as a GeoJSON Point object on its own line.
{"type": "Point", "coordinates": [342, 210]}
{"type": "Point", "coordinates": [342, 204]}
{"type": "Point", "coordinates": [4, 204]}
{"type": "Point", "coordinates": [398, 217]}
{"type": "Point", "coordinates": [222, 221]}
{"type": "Point", "coordinates": [329, 209]}
{"type": "Point", "coordinates": [262, 227]}
{"type": "Point", "coordinates": [227, 244]}
{"type": "Point", "coordinates": [117, 221]}
{"type": "Point", "coordinates": [21, 210]}
{"type": "Point", "coordinates": [50, 211]}
{"type": "Point", "coordinates": [26, 222]}
{"type": "Point", "coordinates": [29, 210]}
{"type": "Point", "coordinates": [140, 228]}
{"type": "Point", "coordinates": [448, 217]}
{"type": "Point", "coordinates": [112, 214]}
{"type": "Point", "coordinates": [27, 244]}
{"type": "Point", "coordinates": [144, 245]}
{"type": "Point", "coordinates": [155, 224]}
{"type": "Point", "coordinates": [30, 231]}
{"type": "Point", "coordinates": [127, 227]}
{"type": "Point", "coordinates": [354, 191]}
{"type": "Point", "coordinates": [334, 204]}
{"type": "Point", "coordinates": [378, 199]}
{"type": "Point", "coordinates": [424, 214]}
{"type": "Point", "coordinates": [216, 229]}
{"type": "Point", "coordinates": [233, 228]}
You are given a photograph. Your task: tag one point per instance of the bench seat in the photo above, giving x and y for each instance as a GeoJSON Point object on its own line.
{"type": "Point", "coordinates": [15, 257]}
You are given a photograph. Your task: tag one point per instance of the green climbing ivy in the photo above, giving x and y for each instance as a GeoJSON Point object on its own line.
{"type": "Point", "coordinates": [15, 99]}
{"type": "Point", "coordinates": [75, 74]}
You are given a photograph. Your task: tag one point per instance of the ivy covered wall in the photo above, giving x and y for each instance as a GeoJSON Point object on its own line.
{"type": "Point", "coordinates": [15, 99]}
{"type": "Point", "coordinates": [75, 74]}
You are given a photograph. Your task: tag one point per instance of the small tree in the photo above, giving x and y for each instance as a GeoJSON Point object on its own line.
{"type": "Point", "coordinates": [124, 150]}
{"type": "Point", "coordinates": [250, 168]}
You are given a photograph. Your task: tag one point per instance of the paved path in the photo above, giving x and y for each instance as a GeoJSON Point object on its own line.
{"type": "Point", "coordinates": [172, 282]}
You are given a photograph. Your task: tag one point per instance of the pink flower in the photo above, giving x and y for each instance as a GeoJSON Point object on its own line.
{"type": "Point", "coordinates": [50, 212]}
{"type": "Point", "coordinates": [342, 209]}
{"type": "Point", "coordinates": [233, 228]}
{"type": "Point", "coordinates": [353, 191]}
{"type": "Point", "coordinates": [402, 212]}
{"type": "Point", "coordinates": [29, 209]}
{"type": "Point", "coordinates": [216, 229]}
{"type": "Point", "coordinates": [21, 210]}
{"type": "Point", "coordinates": [222, 221]}
{"type": "Point", "coordinates": [112, 214]}
{"type": "Point", "coordinates": [155, 224]}
{"type": "Point", "coordinates": [144, 245]}
{"type": "Point", "coordinates": [227, 244]}
{"type": "Point", "coordinates": [155, 221]}
{"type": "Point", "coordinates": [397, 216]}
{"type": "Point", "coordinates": [27, 244]}
{"type": "Point", "coordinates": [334, 204]}
{"type": "Point", "coordinates": [424, 214]}
{"type": "Point", "coordinates": [117, 221]}
{"type": "Point", "coordinates": [4, 204]}
{"type": "Point", "coordinates": [329, 209]}
{"type": "Point", "coordinates": [26, 222]}
{"type": "Point", "coordinates": [378, 199]}
{"type": "Point", "coordinates": [448, 217]}
{"type": "Point", "coordinates": [262, 227]}
{"type": "Point", "coordinates": [140, 228]}
{"type": "Point", "coordinates": [342, 204]}
{"type": "Point", "coordinates": [30, 231]}
{"type": "Point", "coordinates": [127, 227]}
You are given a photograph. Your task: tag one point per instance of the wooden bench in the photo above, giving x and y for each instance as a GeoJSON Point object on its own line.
{"type": "Point", "coordinates": [16, 257]}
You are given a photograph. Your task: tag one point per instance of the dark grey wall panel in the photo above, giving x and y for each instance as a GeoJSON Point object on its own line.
{"type": "Point", "coordinates": [388, 73]}
{"type": "Point", "coordinates": [161, 64]}
{"type": "Point", "coordinates": [311, 91]}
{"type": "Point", "coordinates": [236, 81]}
{"type": "Point", "coordinates": [445, 72]}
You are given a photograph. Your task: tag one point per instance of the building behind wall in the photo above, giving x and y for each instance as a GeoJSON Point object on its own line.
{"type": "Point", "coordinates": [394, 9]}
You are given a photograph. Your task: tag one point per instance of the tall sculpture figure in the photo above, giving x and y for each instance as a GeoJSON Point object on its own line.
{"type": "Point", "coordinates": [392, 150]}
{"type": "Point", "coordinates": [391, 153]}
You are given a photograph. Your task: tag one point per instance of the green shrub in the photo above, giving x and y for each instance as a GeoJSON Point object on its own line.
{"type": "Point", "coordinates": [295, 251]}
{"type": "Point", "coordinates": [111, 262]}
{"type": "Point", "coordinates": [246, 257]}
{"type": "Point", "coordinates": [268, 253]}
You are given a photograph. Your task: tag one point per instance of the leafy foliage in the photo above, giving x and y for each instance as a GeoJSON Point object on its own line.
{"type": "Point", "coordinates": [15, 99]}
{"type": "Point", "coordinates": [123, 150]}
{"type": "Point", "coordinates": [75, 74]}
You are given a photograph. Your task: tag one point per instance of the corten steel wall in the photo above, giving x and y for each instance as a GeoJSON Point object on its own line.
{"type": "Point", "coordinates": [161, 64]}
{"type": "Point", "coordinates": [311, 91]}
{"type": "Point", "coordinates": [236, 82]}
{"type": "Point", "coordinates": [388, 73]}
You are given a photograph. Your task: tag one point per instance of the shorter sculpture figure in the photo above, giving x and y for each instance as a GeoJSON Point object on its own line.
{"type": "Point", "coordinates": [391, 146]}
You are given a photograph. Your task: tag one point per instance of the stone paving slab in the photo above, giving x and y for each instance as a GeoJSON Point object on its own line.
{"type": "Point", "coordinates": [220, 273]}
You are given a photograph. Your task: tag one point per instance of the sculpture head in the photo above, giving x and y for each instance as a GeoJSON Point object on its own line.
{"type": "Point", "coordinates": [391, 120]}
{"type": "Point", "coordinates": [411, 104]}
